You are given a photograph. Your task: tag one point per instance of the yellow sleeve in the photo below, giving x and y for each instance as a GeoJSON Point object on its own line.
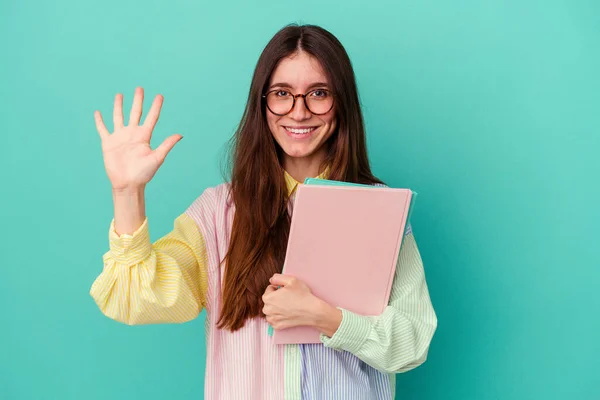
{"type": "Point", "coordinates": [146, 283]}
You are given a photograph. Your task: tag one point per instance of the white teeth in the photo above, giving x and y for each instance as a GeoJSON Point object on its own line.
{"type": "Point", "coordinates": [300, 130]}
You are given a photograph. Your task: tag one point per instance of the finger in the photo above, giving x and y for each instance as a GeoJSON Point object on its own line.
{"type": "Point", "coordinates": [118, 112]}
{"type": "Point", "coordinates": [154, 113]}
{"type": "Point", "coordinates": [270, 289]}
{"type": "Point", "coordinates": [268, 310]}
{"type": "Point", "coordinates": [281, 280]}
{"type": "Point", "coordinates": [166, 146]}
{"type": "Point", "coordinates": [136, 108]}
{"type": "Point", "coordinates": [100, 127]}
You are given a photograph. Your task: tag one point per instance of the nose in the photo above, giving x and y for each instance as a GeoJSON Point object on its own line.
{"type": "Point", "coordinates": [300, 112]}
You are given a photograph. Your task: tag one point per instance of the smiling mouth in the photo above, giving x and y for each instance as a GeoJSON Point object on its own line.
{"type": "Point", "coordinates": [301, 131]}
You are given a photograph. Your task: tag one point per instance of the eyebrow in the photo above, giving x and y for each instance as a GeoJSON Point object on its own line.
{"type": "Point", "coordinates": [287, 85]}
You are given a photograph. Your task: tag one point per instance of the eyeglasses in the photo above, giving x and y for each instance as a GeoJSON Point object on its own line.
{"type": "Point", "coordinates": [281, 102]}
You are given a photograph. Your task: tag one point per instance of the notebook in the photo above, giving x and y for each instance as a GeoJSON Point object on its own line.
{"type": "Point", "coordinates": [344, 243]}
{"type": "Point", "coordinates": [319, 181]}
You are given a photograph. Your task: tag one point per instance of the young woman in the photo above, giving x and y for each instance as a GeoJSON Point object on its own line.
{"type": "Point", "coordinates": [226, 251]}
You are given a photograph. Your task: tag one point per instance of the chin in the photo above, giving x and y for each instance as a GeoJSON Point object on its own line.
{"type": "Point", "coordinates": [298, 151]}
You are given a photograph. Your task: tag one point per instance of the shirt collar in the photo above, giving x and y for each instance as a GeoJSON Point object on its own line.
{"type": "Point", "coordinates": [292, 183]}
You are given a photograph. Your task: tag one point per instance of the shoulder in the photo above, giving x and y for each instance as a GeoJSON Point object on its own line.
{"type": "Point", "coordinates": [210, 200]}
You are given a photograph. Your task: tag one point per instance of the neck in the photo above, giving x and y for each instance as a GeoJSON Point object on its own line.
{"type": "Point", "coordinates": [305, 167]}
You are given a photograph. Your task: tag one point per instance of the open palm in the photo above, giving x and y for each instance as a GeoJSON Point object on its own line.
{"type": "Point", "coordinates": [129, 160]}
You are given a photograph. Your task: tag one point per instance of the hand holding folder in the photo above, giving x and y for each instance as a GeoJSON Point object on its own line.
{"type": "Point", "coordinates": [344, 243]}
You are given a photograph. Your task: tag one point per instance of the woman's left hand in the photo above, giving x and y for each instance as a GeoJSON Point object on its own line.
{"type": "Point", "coordinates": [293, 304]}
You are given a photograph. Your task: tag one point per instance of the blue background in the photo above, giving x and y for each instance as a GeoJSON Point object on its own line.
{"type": "Point", "coordinates": [488, 109]}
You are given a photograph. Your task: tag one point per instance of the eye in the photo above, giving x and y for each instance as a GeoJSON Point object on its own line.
{"type": "Point", "coordinates": [281, 93]}
{"type": "Point", "coordinates": [320, 93]}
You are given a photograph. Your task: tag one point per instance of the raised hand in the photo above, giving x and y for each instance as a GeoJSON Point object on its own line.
{"type": "Point", "coordinates": [129, 160]}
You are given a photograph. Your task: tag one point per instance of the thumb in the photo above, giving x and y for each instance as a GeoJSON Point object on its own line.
{"type": "Point", "coordinates": [166, 146]}
{"type": "Point", "coordinates": [281, 280]}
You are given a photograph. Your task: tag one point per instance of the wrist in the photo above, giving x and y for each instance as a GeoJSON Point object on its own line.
{"type": "Point", "coordinates": [327, 319]}
{"type": "Point", "coordinates": [128, 191]}
{"type": "Point", "coordinates": [129, 210]}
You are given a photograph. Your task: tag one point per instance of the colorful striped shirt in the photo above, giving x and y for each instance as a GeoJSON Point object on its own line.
{"type": "Point", "coordinates": [173, 279]}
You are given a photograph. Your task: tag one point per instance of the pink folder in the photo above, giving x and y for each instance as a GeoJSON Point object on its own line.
{"type": "Point", "coordinates": [344, 243]}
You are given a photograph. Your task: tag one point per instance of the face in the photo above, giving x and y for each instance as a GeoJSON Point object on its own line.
{"type": "Point", "coordinates": [300, 133]}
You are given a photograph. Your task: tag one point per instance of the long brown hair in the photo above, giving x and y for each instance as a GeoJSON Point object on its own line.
{"type": "Point", "coordinates": [261, 223]}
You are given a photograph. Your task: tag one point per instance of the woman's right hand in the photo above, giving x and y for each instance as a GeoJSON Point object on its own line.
{"type": "Point", "coordinates": [129, 160]}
